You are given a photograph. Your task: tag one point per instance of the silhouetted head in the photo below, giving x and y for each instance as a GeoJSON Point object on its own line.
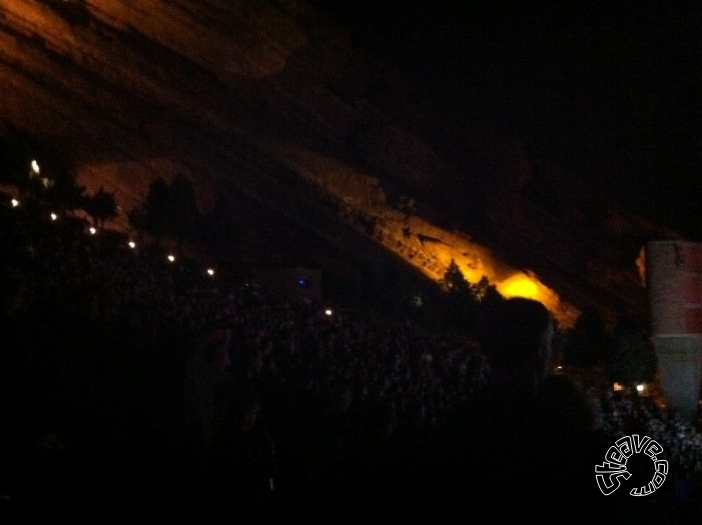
{"type": "Point", "coordinates": [566, 406]}
{"type": "Point", "coordinates": [515, 336]}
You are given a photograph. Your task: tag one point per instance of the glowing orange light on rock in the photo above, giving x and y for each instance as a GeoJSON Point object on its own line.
{"type": "Point", "coordinates": [519, 286]}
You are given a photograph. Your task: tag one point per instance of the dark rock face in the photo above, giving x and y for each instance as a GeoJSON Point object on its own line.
{"type": "Point", "coordinates": [274, 115]}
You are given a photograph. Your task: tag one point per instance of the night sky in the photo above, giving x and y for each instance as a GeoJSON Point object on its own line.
{"type": "Point", "coordinates": [609, 91]}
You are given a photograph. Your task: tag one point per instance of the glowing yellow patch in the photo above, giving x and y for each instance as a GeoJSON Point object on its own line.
{"type": "Point", "coordinates": [519, 285]}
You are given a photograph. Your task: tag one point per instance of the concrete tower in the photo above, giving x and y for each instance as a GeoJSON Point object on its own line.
{"type": "Point", "coordinates": [674, 283]}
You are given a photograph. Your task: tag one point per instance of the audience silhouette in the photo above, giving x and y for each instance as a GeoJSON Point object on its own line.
{"type": "Point", "coordinates": [349, 416]}
{"type": "Point", "coordinates": [529, 440]}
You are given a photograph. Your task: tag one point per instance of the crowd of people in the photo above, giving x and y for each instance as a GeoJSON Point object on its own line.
{"type": "Point", "coordinates": [125, 369]}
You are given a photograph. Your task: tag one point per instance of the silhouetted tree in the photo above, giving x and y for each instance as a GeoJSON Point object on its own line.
{"type": "Point", "coordinates": [221, 233]}
{"type": "Point", "coordinates": [462, 305]}
{"type": "Point", "coordinates": [16, 154]}
{"type": "Point", "coordinates": [632, 357]}
{"type": "Point", "coordinates": [33, 189]}
{"type": "Point", "coordinates": [486, 292]}
{"type": "Point", "coordinates": [63, 192]}
{"type": "Point", "coordinates": [183, 214]}
{"type": "Point", "coordinates": [101, 207]}
{"type": "Point", "coordinates": [169, 210]}
{"type": "Point", "coordinates": [152, 216]}
{"type": "Point", "coordinates": [454, 282]}
{"type": "Point", "coordinates": [588, 340]}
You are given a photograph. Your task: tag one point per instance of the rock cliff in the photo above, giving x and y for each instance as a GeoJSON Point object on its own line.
{"type": "Point", "coordinates": [275, 116]}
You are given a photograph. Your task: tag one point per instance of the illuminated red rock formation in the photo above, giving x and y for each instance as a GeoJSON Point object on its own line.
{"type": "Point", "coordinates": [269, 105]}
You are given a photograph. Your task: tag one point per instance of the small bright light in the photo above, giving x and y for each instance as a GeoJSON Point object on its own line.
{"type": "Point", "coordinates": [15, 203]}
{"type": "Point", "coordinates": [617, 387]}
{"type": "Point", "coordinates": [132, 244]}
{"type": "Point", "coordinates": [327, 312]}
{"type": "Point", "coordinates": [559, 367]}
{"type": "Point", "coordinates": [92, 230]}
{"type": "Point", "coordinates": [35, 167]}
{"type": "Point", "coordinates": [171, 258]}
{"type": "Point", "coordinates": [640, 388]}
{"type": "Point", "coordinates": [54, 216]}
{"type": "Point", "coordinates": [210, 271]}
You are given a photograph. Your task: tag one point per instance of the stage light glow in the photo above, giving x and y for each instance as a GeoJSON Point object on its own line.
{"type": "Point", "coordinates": [519, 285]}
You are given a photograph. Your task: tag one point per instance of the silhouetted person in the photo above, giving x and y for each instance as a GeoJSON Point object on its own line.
{"type": "Point", "coordinates": [528, 441]}
{"type": "Point", "coordinates": [204, 372]}
{"type": "Point", "coordinates": [522, 440]}
{"type": "Point", "coordinates": [241, 464]}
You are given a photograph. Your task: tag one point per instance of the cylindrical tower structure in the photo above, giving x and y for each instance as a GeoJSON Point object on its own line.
{"type": "Point", "coordinates": [674, 283]}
